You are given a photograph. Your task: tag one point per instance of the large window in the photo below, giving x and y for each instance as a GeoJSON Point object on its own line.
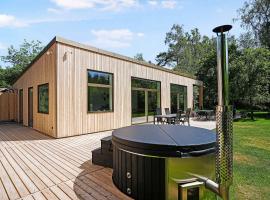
{"type": "Point", "coordinates": [196, 97]}
{"type": "Point", "coordinates": [178, 98]}
{"type": "Point", "coordinates": [43, 98]}
{"type": "Point", "coordinates": [145, 99]}
{"type": "Point", "coordinates": [100, 91]}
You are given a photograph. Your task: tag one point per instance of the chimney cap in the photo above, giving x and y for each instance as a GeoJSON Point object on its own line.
{"type": "Point", "coordinates": [222, 29]}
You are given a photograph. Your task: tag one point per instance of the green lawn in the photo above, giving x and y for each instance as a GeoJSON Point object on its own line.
{"type": "Point", "coordinates": [252, 159]}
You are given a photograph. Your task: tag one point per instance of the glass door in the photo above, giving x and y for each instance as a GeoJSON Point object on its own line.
{"type": "Point", "coordinates": [178, 98]}
{"type": "Point", "coordinates": [21, 106]}
{"type": "Point", "coordinates": [145, 100]}
{"type": "Point", "coordinates": [30, 107]}
{"type": "Point", "coordinates": [138, 106]}
{"type": "Point", "coordinates": [152, 101]}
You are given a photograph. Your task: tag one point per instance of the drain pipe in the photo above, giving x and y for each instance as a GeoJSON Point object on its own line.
{"type": "Point", "coordinates": [224, 122]}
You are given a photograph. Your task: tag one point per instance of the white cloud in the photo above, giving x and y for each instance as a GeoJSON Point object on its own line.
{"type": "Point", "coordinates": [2, 46]}
{"type": "Point", "coordinates": [55, 11]}
{"type": "Point", "coordinates": [115, 38]}
{"type": "Point", "coordinates": [140, 34]}
{"type": "Point", "coordinates": [11, 21]}
{"type": "Point", "coordinates": [71, 4]}
{"type": "Point", "coordinates": [152, 2]}
{"type": "Point", "coordinates": [103, 4]}
{"type": "Point", "coordinates": [169, 4]}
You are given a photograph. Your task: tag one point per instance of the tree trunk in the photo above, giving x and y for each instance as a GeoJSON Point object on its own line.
{"type": "Point", "coordinates": [252, 114]}
{"type": "Point", "coordinates": [251, 109]}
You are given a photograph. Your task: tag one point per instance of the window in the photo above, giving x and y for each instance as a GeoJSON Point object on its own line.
{"type": "Point", "coordinates": [43, 98]}
{"type": "Point", "coordinates": [196, 97]}
{"type": "Point", "coordinates": [145, 99]}
{"type": "Point", "coordinates": [100, 91]}
{"type": "Point", "coordinates": [178, 98]}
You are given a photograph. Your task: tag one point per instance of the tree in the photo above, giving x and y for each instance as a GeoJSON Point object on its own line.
{"type": "Point", "coordinates": [185, 50]}
{"type": "Point", "coordinates": [247, 40]}
{"type": "Point", "coordinates": [255, 15]}
{"type": "Point", "coordinates": [250, 83]}
{"type": "Point", "coordinates": [139, 56]}
{"type": "Point", "coordinates": [207, 73]}
{"type": "Point", "coordinates": [18, 60]}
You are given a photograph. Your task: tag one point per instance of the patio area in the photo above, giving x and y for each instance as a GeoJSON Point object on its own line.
{"type": "Point", "coordinates": [34, 166]}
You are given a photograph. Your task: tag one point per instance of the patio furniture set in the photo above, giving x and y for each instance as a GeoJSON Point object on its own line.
{"type": "Point", "coordinates": [172, 118]}
{"type": "Point", "coordinates": [205, 114]}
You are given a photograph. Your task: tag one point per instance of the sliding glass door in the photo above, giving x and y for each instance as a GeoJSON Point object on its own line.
{"type": "Point", "coordinates": [138, 105]}
{"type": "Point", "coordinates": [196, 97]}
{"type": "Point", "coordinates": [145, 99]}
{"type": "Point", "coordinates": [178, 98]}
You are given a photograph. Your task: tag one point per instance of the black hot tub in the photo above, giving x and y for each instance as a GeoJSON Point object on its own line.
{"type": "Point", "coordinates": [155, 161]}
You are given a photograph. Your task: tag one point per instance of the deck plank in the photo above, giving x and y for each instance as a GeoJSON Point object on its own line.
{"type": "Point", "coordinates": [25, 179]}
{"type": "Point", "coordinates": [49, 194]}
{"type": "Point", "coordinates": [7, 183]}
{"type": "Point", "coordinates": [34, 166]}
{"type": "Point", "coordinates": [3, 194]}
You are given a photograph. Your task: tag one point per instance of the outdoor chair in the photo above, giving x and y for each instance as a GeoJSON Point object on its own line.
{"type": "Point", "coordinates": [178, 117]}
{"type": "Point", "coordinates": [167, 111]}
{"type": "Point", "coordinates": [186, 117]}
{"type": "Point", "coordinates": [159, 119]}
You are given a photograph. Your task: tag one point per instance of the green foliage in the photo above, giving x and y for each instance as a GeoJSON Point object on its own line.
{"type": "Point", "coordinates": [255, 15]}
{"type": "Point", "coordinates": [18, 59]}
{"type": "Point", "coordinates": [248, 65]}
{"type": "Point", "coordinates": [251, 78]}
{"type": "Point", "coordinates": [139, 56]}
{"type": "Point", "coordinates": [185, 50]}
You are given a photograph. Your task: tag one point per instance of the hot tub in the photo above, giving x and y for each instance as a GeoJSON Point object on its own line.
{"type": "Point", "coordinates": [157, 161]}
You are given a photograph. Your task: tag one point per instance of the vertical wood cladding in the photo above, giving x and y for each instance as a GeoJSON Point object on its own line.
{"type": "Point", "coordinates": [42, 71]}
{"type": "Point", "coordinates": [73, 63]}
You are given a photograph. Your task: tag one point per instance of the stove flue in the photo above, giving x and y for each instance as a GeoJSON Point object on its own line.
{"type": "Point", "coordinates": [224, 121]}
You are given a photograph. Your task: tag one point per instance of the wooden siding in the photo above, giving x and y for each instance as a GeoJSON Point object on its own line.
{"type": "Point", "coordinates": [42, 71]}
{"type": "Point", "coordinates": [72, 115]}
{"type": "Point", "coordinates": [8, 106]}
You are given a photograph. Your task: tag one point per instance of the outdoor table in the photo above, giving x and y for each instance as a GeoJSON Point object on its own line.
{"type": "Point", "coordinates": [168, 117]}
{"type": "Point", "coordinates": [205, 113]}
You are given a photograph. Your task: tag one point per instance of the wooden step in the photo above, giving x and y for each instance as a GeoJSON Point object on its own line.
{"type": "Point", "coordinates": [102, 159]}
{"type": "Point", "coordinates": [106, 144]}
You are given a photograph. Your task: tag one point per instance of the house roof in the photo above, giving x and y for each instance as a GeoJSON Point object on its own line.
{"type": "Point", "coordinates": [6, 90]}
{"type": "Point", "coordinates": [103, 52]}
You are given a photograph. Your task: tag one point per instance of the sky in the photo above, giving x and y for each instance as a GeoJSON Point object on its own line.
{"type": "Point", "coordinates": [126, 27]}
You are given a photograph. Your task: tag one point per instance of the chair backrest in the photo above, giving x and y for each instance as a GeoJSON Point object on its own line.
{"type": "Point", "coordinates": [167, 111]}
{"type": "Point", "coordinates": [178, 114]}
{"type": "Point", "coordinates": [188, 111]}
{"type": "Point", "coordinates": [158, 111]}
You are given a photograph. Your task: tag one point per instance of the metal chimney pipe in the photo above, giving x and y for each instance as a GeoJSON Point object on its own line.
{"type": "Point", "coordinates": [224, 117]}
{"type": "Point", "coordinates": [224, 122]}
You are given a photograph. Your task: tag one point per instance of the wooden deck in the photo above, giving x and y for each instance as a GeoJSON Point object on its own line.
{"type": "Point", "coordinates": [34, 166]}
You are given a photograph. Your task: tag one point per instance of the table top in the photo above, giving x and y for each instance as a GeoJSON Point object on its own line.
{"type": "Point", "coordinates": [164, 140]}
{"type": "Point", "coordinates": [167, 116]}
{"type": "Point", "coordinates": [205, 111]}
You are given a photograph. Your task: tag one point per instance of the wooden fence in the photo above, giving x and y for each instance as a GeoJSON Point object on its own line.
{"type": "Point", "coordinates": [8, 106]}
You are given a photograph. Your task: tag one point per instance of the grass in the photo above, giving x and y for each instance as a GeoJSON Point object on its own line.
{"type": "Point", "coordinates": [252, 159]}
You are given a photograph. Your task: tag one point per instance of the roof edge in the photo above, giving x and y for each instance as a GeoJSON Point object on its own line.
{"type": "Point", "coordinates": [119, 56]}
{"type": "Point", "coordinates": [103, 52]}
